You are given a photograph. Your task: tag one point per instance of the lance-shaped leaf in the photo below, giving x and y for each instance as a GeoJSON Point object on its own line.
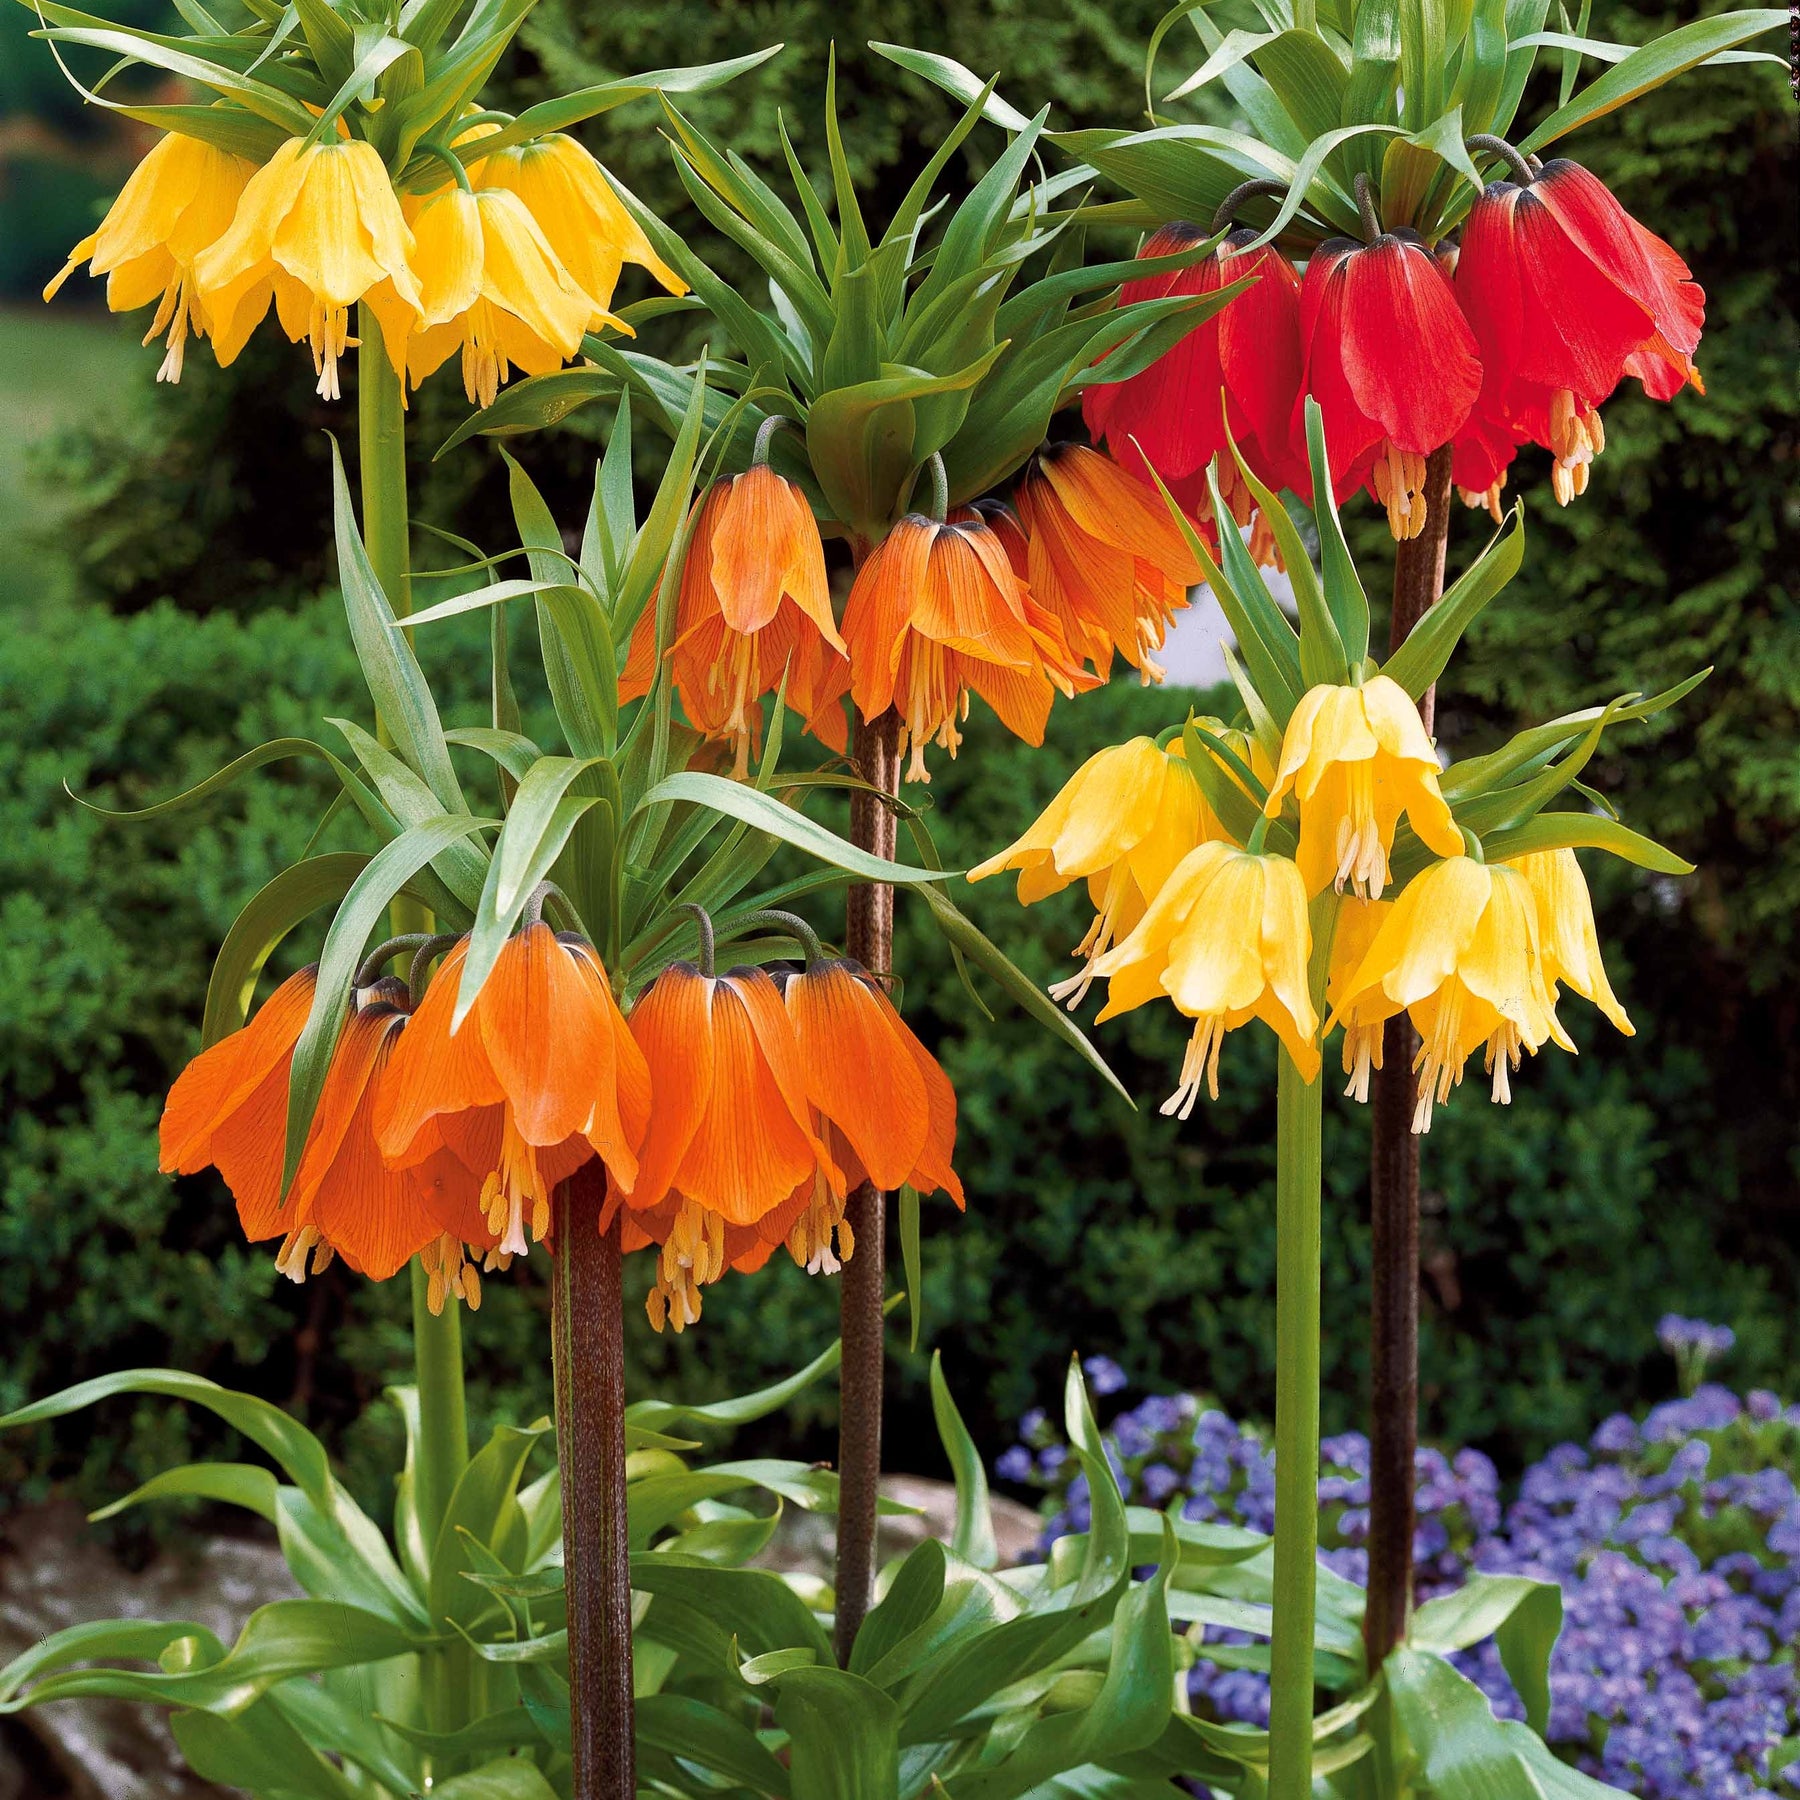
{"type": "Point", "coordinates": [388, 872]}
{"type": "Point", "coordinates": [972, 1539]}
{"type": "Point", "coordinates": [397, 685]}
{"type": "Point", "coordinates": [227, 1484]}
{"type": "Point", "coordinates": [1429, 645]}
{"type": "Point", "coordinates": [703, 1735]}
{"type": "Point", "coordinates": [1584, 831]}
{"type": "Point", "coordinates": [957, 80]}
{"type": "Point", "coordinates": [271, 913]}
{"type": "Point", "coordinates": [260, 1749]}
{"type": "Point", "coordinates": [743, 1409]}
{"type": "Point", "coordinates": [964, 935]}
{"type": "Point", "coordinates": [1670, 55]}
{"type": "Point", "coordinates": [1523, 1616]}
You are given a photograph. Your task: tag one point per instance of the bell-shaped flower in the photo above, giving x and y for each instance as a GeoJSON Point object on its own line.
{"type": "Point", "coordinates": [1566, 294]}
{"type": "Point", "coordinates": [228, 1110]}
{"type": "Point", "coordinates": [589, 229]}
{"type": "Point", "coordinates": [731, 1138]}
{"type": "Point", "coordinates": [1392, 363]}
{"type": "Point", "coordinates": [1227, 940]}
{"type": "Point", "coordinates": [317, 228]}
{"type": "Point", "coordinates": [1105, 557]}
{"type": "Point", "coordinates": [889, 1108]}
{"type": "Point", "coordinates": [754, 609]}
{"type": "Point", "coordinates": [1566, 934]}
{"type": "Point", "coordinates": [1122, 822]}
{"type": "Point", "coordinates": [176, 203]}
{"type": "Point", "coordinates": [1461, 953]}
{"type": "Point", "coordinates": [936, 612]}
{"type": "Point", "coordinates": [1357, 923]}
{"type": "Point", "coordinates": [1355, 758]}
{"type": "Point", "coordinates": [1240, 367]}
{"type": "Point", "coordinates": [491, 287]}
{"type": "Point", "coordinates": [539, 1077]}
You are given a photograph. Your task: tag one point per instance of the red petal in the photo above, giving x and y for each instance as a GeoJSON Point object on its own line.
{"type": "Point", "coordinates": [1409, 357]}
{"type": "Point", "coordinates": [1259, 355]}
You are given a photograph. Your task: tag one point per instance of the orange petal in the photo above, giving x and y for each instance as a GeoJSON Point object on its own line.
{"type": "Point", "coordinates": [222, 1078]}
{"type": "Point", "coordinates": [859, 1072]}
{"type": "Point", "coordinates": [247, 1151]}
{"type": "Point", "coordinates": [545, 1035]}
{"type": "Point", "coordinates": [373, 1216]}
{"type": "Point", "coordinates": [753, 1143]}
{"type": "Point", "coordinates": [933, 1171]}
{"type": "Point", "coordinates": [879, 612]}
{"type": "Point", "coordinates": [672, 1028]}
{"type": "Point", "coordinates": [621, 1112]}
{"type": "Point", "coordinates": [431, 1072]}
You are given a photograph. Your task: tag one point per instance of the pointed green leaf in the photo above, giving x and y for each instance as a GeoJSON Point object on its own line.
{"type": "Point", "coordinates": [973, 1537]}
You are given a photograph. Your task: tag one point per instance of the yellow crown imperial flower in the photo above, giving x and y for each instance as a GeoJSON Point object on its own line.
{"type": "Point", "coordinates": [1566, 934]}
{"type": "Point", "coordinates": [491, 286]}
{"type": "Point", "coordinates": [318, 228]}
{"type": "Point", "coordinates": [586, 223]}
{"type": "Point", "coordinates": [1358, 921]}
{"type": "Point", "coordinates": [1122, 822]}
{"type": "Point", "coordinates": [175, 203]}
{"type": "Point", "coordinates": [1461, 953]}
{"type": "Point", "coordinates": [1355, 759]}
{"type": "Point", "coordinates": [1227, 939]}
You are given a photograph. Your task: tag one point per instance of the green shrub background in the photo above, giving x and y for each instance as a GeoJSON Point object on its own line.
{"type": "Point", "coordinates": [167, 605]}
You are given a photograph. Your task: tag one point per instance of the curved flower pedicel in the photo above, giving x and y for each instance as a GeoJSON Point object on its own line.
{"type": "Point", "coordinates": [1122, 822]}
{"type": "Point", "coordinates": [753, 612]}
{"type": "Point", "coordinates": [1392, 363]}
{"type": "Point", "coordinates": [228, 1110]}
{"type": "Point", "coordinates": [176, 203]}
{"type": "Point", "coordinates": [936, 612]}
{"type": "Point", "coordinates": [1227, 940]}
{"type": "Point", "coordinates": [317, 229]}
{"type": "Point", "coordinates": [1103, 556]}
{"type": "Point", "coordinates": [540, 1076]}
{"type": "Point", "coordinates": [1355, 758]}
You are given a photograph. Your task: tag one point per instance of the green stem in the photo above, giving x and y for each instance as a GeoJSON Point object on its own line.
{"type": "Point", "coordinates": [442, 1453]}
{"type": "Point", "coordinates": [1297, 1133]}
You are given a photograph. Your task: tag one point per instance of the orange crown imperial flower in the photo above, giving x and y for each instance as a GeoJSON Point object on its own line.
{"type": "Point", "coordinates": [1122, 822]}
{"type": "Point", "coordinates": [539, 1077]}
{"type": "Point", "coordinates": [1227, 939]}
{"type": "Point", "coordinates": [176, 203]}
{"type": "Point", "coordinates": [936, 611]}
{"type": "Point", "coordinates": [317, 229]}
{"type": "Point", "coordinates": [889, 1109]}
{"type": "Point", "coordinates": [1355, 759]}
{"type": "Point", "coordinates": [1461, 953]}
{"type": "Point", "coordinates": [731, 1138]}
{"type": "Point", "coordinates": [754, 609]}
{"type": "Point", "coordinates": [1105, 557]}
{"type": "Point", "coordinates": [228, 1110]}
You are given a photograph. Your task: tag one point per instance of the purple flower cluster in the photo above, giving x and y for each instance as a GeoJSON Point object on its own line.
{"type": "Point", "coordinates": [1676, 1542]}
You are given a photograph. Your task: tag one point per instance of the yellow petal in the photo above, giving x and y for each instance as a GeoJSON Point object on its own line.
{"type": "Point", "coordinates": [447, 255]}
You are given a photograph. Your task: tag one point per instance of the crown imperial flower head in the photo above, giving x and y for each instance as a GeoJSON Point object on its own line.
{"type": "Point", "coordinates": [1227, 939]}
{"type": "Point", "coordinates": [176, 203]}
{"type": "Point", "coordinates": [317, 228]}
{"type": "Point", "coordinates": [754, 609]}
{"type": "Point", "coordinates": [1461, 953]}
{"type": "Point", "coordinates": [1392, 363]}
